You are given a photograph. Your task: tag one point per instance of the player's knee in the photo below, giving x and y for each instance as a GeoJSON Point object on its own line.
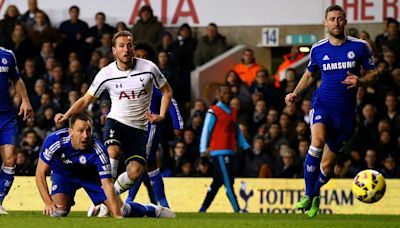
{"type": "Point", "coordinates": [10, 161]}
{"type": "Point", "coordinates": [114, 151]}
{"type": "Point", "coordinates": [326, 167]}
{"type": "Point", "coordinates": [134, 171]}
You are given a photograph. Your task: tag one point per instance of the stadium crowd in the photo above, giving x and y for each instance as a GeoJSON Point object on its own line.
{"type": "Point", "coordinates": [58, 65]}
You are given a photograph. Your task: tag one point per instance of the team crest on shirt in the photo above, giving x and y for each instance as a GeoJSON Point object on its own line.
{"type": "Point", "coordinates": [4, 60]}
{"type": "Point", "coordinates": [351, 55]}
{"type": "Point", "coordinates": [82, 160]}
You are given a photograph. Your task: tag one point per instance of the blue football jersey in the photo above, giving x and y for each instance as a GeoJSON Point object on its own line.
{"type": "Point", "coordinates": [334, 62]}
{"type": "Point", "coordinates": [89, 164]}
{"type": "Point", "coordinates": [8, 71]}
{"type": "Point", "coordinates": [155, 105]}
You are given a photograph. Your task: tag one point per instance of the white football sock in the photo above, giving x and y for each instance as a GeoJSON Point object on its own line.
{"type": "Point", "coordinates": [123, 183]}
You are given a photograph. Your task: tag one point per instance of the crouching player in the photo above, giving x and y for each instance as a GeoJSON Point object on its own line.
{"type": "Point", "coordinates": [78, 160]}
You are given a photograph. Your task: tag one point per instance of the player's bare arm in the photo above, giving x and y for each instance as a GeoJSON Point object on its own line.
{"type": "Point", "coordinates": [80, 105]}
{"type": "Point", "coordinates": [25, 108]}
{"type": "Point", "coordinates": [112, 202]}
{"type": "Point", "coordinates": [165, 102]}
{"type": "Point", "coordinates": [304, 82]}
{"type": "Point", "coordinates": [354, 81]}
{"type": "Point", "coordinates": [41, 170]}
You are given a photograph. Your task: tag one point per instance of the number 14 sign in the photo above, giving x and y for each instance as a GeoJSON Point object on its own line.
{"type": "Point", "coordinates": [270, 37]}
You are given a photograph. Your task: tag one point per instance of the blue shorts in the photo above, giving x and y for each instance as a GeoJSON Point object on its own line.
{"type": "Point", "coordinates": [153, 139]}
{"type": "Point", "coordinates": [131, 140]}
{"type": "Point", "coordinates": [339, 126]}
{"type": "Point", "coordinates": [69, 186]}
{"type": "Point", "coordinates": [8, 128]}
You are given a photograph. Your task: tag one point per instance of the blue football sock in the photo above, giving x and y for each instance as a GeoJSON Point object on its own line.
{"type": "Point", "coordinates": [6, 180]}
{"type": "Point", "coordinates": [322, 179]}
{"type": "Point", "coordinates": [158, 187]}
{"type": "Point", "coordinates": [134, 190]}
{"type": "Point", "coordinates": [311, 169]}
{"type": "Point", "coordinates": [150, 210]}
{"type": "Point", "coordinates": [135, 210]}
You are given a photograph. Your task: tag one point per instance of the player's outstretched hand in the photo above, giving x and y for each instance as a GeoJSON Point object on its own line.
{"type": "Point", "coordinates": [154, 118]}
{"type": "Point", "coordinates": [26, 109]}
{"type": "Point", "coordinates": [351, 80]}
{"type": "Point", "coordinates": [49, 208]}
{"type": "Point", "coordinates": [59, 118]}
{"type": "Point", "coordinates": [291, 98]}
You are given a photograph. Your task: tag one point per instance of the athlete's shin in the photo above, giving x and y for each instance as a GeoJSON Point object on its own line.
{"type": "Point", "coordinates": [311, 168]}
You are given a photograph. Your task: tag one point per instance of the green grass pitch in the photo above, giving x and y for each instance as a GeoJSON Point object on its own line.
{"type": "Point", "coordinates": [19, 219]}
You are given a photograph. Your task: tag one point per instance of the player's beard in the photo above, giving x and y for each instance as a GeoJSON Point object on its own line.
{"type": "Point", "coordinates": [339, 35]}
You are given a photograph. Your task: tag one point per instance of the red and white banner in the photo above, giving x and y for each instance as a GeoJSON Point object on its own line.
{"type": "Point", "coordinates": [173, 13]}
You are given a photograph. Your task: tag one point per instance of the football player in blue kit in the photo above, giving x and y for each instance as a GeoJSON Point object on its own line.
{"type": "Point", "coordinates": [8, 119]}
{"type": "Point", "coordinates": [340, 59]}
{"type": "Point", "coordinates": [78, 160]}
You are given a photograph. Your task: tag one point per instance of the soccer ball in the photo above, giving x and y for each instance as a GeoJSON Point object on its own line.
{"type": "Point", "coordinates": [369, 186]}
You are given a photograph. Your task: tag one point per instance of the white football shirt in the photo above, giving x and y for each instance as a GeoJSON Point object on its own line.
{"type": "Point", "coordinates": [130, 91]}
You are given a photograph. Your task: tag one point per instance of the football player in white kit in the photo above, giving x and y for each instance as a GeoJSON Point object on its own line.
{"type": "Point", "coordinates": [129, 82]}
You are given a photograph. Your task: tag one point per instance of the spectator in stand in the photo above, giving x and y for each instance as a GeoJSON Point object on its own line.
{"type": "Point", "coordinates": [41, 31]}
{"type": "Point", "coordinates": [392, 112]}
{"type": "Point", "coordinates": [121, 26]}
{"type": "Point", "coordinates": [233, 80]}
{"type": "Point", "coordinates": [166, 43]}
{"type": "Point", "coordinates": [392, 40]}
{"type": "Point", "coordinates": [259, 117]}
{"type": "Point", "coordinates": [75, 31]}
{"type": "Point", "coordinates": [9, 20]}
{"type": "Point", "coordinates": [105, 46]}
{"type": "Point", "coordinates": [59, 97]}
{"type": "Point", "coordinates": [28, 18]}
{"type": "Point", "coordinates": [40, 89]}
{"type": "Point", "coordinates": [169, 71]}
{"type": "Point", "coordinates": [390, 168]}
{"type": "Point", "coordinates": [371, 160]}
{"type": "Point", "coordinates": [386, 145]}
{"type": "Point", "coordinates": [264, 83]}
{"type": "Point", "coordinates": [290, 168]}
{"type": "Point", "coordinates": [210, 45]}
{"type": "Point", "coordinates": [46, 52]}
{"type": "Point", "coordinates": [273, 139]}
{"type": "Point", "coordinates": [256, 162]}
{"type": "Point", "coordinates": [22, 45]}
{"type": "Point", "coordinates": [305, 109]}
{"type": "Point", "coordinates": [203, 167]}
{"type": "Point", "coordinates": [97, 31]}
{"type": "Point", "coordinates": [93, 68]}
{"type": "Point", "coordinates": [391, 58]}
{"type": "Point", "coordinates": [147, 28]}
{"type": "Point", "coordinates": [248, 69]}
{"type": "Point", "coordinates": [24, 166]}
{"type": "Point", "coordinates": [192, 144]}
{"type": "Point", "coordinates": [29, 75]}
{"type": "Point", "coordinates": [185, 169]}
{"type": "Point", "coordinates": [288, 60]}
{"type": "Point", "coordinates": [31, 143]}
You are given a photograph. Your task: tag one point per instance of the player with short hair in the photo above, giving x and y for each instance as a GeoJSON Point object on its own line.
{"type": "Point", "coordinates": [8, 120]}
{"type": "Point", "coordinates": [340, 59]}
{"type": "Point", "coordinates": [219, 139]}
{"type": "Point", "coordinates": [78, 160]}
{"type": "Point", "coordinates": [129, 82]}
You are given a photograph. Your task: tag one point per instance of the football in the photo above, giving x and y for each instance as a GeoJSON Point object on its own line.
{"type": "Point", "coordinates": [369, 186]}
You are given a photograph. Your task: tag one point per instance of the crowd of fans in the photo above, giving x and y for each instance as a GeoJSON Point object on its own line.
{"type": "Point", "coordinates": [58, 65]}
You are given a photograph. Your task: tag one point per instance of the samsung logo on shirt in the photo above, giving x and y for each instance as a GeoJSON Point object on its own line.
{"type": "Point", "coordinates": [3, 69]}
{"type": "Point", "coordinates": [339, 65]}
